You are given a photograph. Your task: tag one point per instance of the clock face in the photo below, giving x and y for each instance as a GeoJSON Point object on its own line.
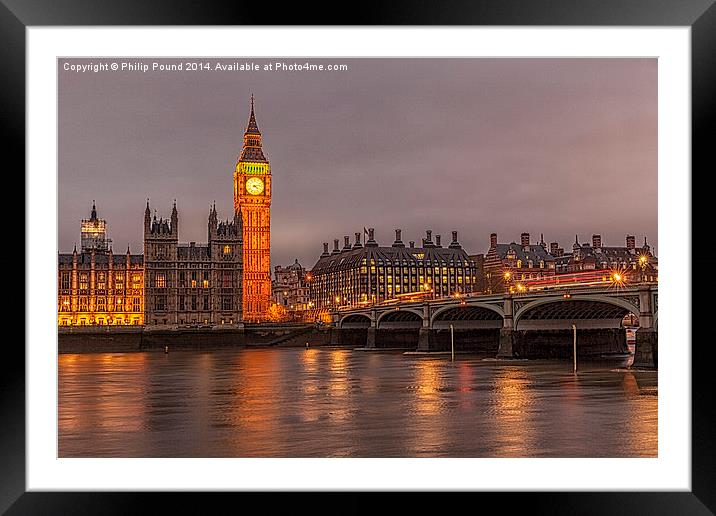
{"type": "Point", "coordinates": [254, 185]}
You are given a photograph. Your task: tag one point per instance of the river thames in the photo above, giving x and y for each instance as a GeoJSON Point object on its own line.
{"type": "Point", "coordinates": [330, 402]}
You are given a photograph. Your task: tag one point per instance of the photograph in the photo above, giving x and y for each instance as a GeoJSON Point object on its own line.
{"type": "Point", "coordinates": [359, 257]}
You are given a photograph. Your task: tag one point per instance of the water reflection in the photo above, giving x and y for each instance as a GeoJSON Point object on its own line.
{"type": "Point", "coordinates": [510, 405]}
{"type": "Point", "coordinates": [335, 402]}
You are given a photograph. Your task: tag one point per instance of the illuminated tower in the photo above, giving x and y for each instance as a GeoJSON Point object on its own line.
{"type": "Point", "coordinates": [252, 199]}
{"type": "Point", "coordinates": [93, 233]}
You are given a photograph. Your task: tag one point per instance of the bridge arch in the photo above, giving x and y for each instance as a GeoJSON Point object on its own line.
{"type": "Point", "coordinates": [355, 321]}
{"type": "Point", "coordinates": [592, 310]}
{"type": "Point", "coordinates": [470, 315]}
{"type": "Point", "coordinates": [402, 318]}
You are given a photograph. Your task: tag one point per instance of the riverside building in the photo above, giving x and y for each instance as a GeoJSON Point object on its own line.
{"type": "Point", "coordinates": [360, 274]}
{"type": "Point", "coordinates": [192, 284]}
{"type": "Point", "coordinates": [96, 286]}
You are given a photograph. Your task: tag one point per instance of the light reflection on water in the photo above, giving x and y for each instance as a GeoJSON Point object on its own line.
{"type": "Point", "coordinates": [335, 402]}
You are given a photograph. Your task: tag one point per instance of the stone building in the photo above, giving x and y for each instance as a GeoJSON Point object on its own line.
{"type": "Point", "coordinates": [289, 288]}
{"type": "Point", "coordinates": [362, 274]}
{"type": "Point", "coordinates": [97, 287]}
{"type": "Point", "coordinates": [639, 263]}
{"type": "Point", "coordinates": [192, 284]}
{"type": "Point", "coordinates": [506, 264]}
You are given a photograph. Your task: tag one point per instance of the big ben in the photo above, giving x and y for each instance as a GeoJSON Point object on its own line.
{"type": "Point", "coordinates": [252, 199]}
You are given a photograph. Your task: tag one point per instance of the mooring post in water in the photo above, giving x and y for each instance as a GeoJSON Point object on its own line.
{"type": "Point", "coordinates": [452, 344]}
{"type": "Point", "coordinates": [574, 350]}
{"type": "Point", "coordinates": [306, 345]}
{"type": "Point", "coordinates": [166, 349]}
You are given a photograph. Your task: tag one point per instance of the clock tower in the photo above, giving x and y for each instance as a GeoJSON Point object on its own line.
{"type": "Point", "coordinates": [252, 199]}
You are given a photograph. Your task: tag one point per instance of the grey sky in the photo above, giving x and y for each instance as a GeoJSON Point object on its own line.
{"type": "Point", "coordinates": [553, 146]}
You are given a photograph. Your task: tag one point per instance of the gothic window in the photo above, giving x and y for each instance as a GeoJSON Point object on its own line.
{"type": "Point", "coordinates": [160, 280]}
{"type": "Point", "coordinates": [136, 304]}
{"type": "Point", "coordinates": [65, 283]}
{"type": "Point", "coordinates": [519, 264]}
{"type": "Point", "coordinates": [83, 281]}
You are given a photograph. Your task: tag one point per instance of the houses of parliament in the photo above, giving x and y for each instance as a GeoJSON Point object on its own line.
{"type": "Point", "coordinates": [223, 282]}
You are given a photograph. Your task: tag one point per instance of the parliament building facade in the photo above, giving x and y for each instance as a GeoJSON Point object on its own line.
{"type": "Point", "coordinates": [222, 282]}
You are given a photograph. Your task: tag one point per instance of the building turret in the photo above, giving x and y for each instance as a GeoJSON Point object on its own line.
{"type": "Point", "coordinates": [175, 220]}
{"type": "Point", "coordinates": [147, 219]}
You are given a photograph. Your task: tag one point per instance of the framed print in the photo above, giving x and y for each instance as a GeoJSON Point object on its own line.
{"type": "Point", "coordinates": [285, 265]}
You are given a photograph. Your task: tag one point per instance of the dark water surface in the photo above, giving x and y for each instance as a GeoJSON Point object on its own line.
{"type": "Point", "coordinates": [340, 403]}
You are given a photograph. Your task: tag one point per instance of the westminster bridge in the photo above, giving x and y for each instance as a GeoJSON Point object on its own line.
{"type": "Point", "coordinates": [526, 325]}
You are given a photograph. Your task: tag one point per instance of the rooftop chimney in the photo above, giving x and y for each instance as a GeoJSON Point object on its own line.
{"type": "Point", "coordinates": [525, 239]}
{"type": "Point", "coordinates": [437, 241]}
{"type": "Point", "coordinates": [454, 244]}
{"type": "Point", "coordinates": [371, 238]}
{"type": "Point", "coordinates": [412, 244]}
{"type": "Point", "coordinates": [398, 242]}
{"type": "Point", "coordinates": [553, 246]}
{"type": "Point", "coordinates": [428, 240]}
{"type": "Point", "coordinates": [493, 240]}
{"type": "Point", "coordinates": [346, 243]}
{"type": "Point", "coordinates": [631, 243]}
{"type": "Point", "coordinates": [357, 244]}
{"type": "Point", "coordinates": [325, 249]}
{"type": "Point", "coordinates": [335, 246]}
{"type": "Point", "coordinates": [597, 242]}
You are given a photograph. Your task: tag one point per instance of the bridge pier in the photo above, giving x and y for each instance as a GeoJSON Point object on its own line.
{"type": "Point", "coordinates": [424, 339]}
{"type": "Point", "coordinates": [507, 340]}
{"type": "Point", "coordinates": [646, 352]}
{"type": "Point", "coordinates": [335, 339]}
{"type": "Point", "coordinates": [370, 338]}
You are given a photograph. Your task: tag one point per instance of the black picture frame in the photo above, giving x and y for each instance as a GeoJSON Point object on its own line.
{"type": "Point", "coordinates": [700, 15]}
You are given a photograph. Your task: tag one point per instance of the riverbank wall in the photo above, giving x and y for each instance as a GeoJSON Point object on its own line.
{"type": "Point", "coordinates": [131, 339]}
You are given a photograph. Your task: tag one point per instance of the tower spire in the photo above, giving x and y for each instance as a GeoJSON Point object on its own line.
{"type": "Point", "coordinates": [93, 215]}
{"type": "Point", "coordinates": [252, 127]}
